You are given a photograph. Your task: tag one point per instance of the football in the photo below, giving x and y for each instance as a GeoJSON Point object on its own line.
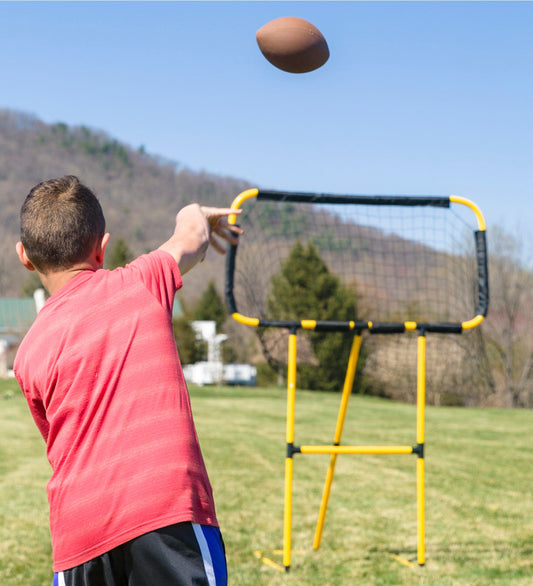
{"type": "Point", "coordinates": [292, 44]}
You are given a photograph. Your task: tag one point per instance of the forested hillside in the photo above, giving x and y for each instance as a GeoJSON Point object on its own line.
{"type": "Point", "coordinates": [140, 193]}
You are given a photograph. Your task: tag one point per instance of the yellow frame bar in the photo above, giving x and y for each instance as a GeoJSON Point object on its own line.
{"type": "Point", "coordinates": [472, 323]}
{"type": "Point", "coordinates": [247, 321]}
{"type": "Point", "coordinates": [470, 204]}
{"type": "Point", "coordinates": [238, 201]}
{"type": "Point", "coordinates": [420, 437]}
{"type": "Point", "coordinates": [346, 392]}
{"type": "Point", "coordinates": [289, 433]}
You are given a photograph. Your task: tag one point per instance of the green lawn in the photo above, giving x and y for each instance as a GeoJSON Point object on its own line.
{"type": "Point", "coordinates": [479, 504]}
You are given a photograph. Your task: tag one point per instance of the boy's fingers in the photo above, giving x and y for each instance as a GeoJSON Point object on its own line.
{"type": "Point", "coordinates": [215, 215]}
{"type": "Point", "coordinates": [222, 227]}
{"type": "Point", "coordinates": [217, 246]}
{"type": "Point", "coordinates": [218, 224]}
{"type": "Point", "coordinates": [226, 232]}
{"type": "Point", "coordinates": [219, 212]}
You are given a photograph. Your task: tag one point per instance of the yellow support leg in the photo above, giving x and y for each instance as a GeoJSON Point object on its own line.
{"type": "Point", "coordinates": [324, 503]}
{"type": "Point", "coordinates": [287, 515]}
{"type": "Point", "coordinates": [420, 437]}
{"type": "Point", "coordinates": [346, 392]}
{"type": "Point", "coordinates": [421, 549]}
{"type": "Point", "coordinates": [291, 400]}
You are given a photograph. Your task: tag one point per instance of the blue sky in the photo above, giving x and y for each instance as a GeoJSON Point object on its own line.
{"type": "Point", "coordinates": [416, 98]}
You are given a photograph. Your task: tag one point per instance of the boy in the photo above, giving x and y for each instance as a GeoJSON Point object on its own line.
{"type": "Point", "coordinates": [130, 499]}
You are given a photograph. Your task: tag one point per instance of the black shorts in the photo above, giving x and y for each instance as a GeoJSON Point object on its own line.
{"type": "Point", "coordinates": [179, 555]}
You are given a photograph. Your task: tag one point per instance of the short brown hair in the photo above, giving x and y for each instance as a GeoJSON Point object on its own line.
{"type": "Point", "coordinates": [60, 222]}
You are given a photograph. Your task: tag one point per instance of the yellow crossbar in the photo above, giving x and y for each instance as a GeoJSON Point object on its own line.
{"type": "Point", "coordinates": [387, 450]}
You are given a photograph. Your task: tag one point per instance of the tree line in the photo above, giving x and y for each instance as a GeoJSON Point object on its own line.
{"type": "Point", "coordinates": [489, 366]}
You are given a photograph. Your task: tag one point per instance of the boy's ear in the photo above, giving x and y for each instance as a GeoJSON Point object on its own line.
{"type": "Point", "coordinates": [21, 253]}
{"type": "Point", "coordinates": [100, 249]}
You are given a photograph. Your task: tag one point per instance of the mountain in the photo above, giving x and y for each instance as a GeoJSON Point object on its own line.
{"type": "Point", "coordinates": [139, 192]}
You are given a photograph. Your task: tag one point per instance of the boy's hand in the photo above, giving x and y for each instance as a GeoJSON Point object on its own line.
{"type": "Point", "coordinates": [196, 227]}
{"type": "Point", "coordinates": [217, 218]}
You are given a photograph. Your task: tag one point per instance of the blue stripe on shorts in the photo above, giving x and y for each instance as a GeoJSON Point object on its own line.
{"type": "Point", "coordinates": [212, 548]}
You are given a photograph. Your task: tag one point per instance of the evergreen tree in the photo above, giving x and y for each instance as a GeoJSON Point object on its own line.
{"type": "Point", "coordinates": [119, 255]}
{"type": "Point", "coordinates": [306, 289]}
{"type": "Point", "coordinates": [210, 306]}
{"type": "Point", "coordinates": [190, 349]}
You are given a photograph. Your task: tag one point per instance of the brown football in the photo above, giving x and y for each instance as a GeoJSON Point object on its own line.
{"type": "Point", "coordinates": [293, 44]}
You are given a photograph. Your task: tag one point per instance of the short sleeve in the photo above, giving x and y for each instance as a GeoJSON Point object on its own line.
{"type": "Point", "coordinates": [160, 274]}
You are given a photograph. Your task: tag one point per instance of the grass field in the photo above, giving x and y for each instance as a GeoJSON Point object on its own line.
{"type": "Point", "coordinates": [479, 503]}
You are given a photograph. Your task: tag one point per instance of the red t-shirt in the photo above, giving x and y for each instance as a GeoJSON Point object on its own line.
{"type": "Point", "coordinates": [102, 377]}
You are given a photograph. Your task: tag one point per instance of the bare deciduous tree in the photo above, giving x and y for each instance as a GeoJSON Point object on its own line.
{"type": "Point", "coordinates": [508, 344]}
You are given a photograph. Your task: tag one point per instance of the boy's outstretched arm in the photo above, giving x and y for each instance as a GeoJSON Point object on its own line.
{"type": "Point", "coordinates": [196, 227]}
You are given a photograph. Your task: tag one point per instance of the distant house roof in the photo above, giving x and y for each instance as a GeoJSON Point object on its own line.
{"type": "Point", "coordinates": [16, 314]}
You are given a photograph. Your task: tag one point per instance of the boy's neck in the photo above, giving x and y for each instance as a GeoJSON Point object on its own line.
{"type": "Point", "coordinates": [56, 280]}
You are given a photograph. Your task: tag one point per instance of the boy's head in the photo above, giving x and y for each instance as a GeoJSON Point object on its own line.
{"type": "Point", "coordinates": [61, 221]}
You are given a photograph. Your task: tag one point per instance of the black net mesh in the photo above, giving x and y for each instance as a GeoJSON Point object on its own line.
{"type": "Point", "coordinates": [405, 263]}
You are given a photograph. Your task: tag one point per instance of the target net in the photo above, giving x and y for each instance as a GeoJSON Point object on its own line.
{"type": "Point", "coordinates": [337, 264]}
{"type": "Point", "coordinates": [410, 262]}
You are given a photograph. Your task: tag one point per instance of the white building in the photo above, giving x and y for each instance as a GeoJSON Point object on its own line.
{"type": "Point", "coordinates": [213, 371]}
